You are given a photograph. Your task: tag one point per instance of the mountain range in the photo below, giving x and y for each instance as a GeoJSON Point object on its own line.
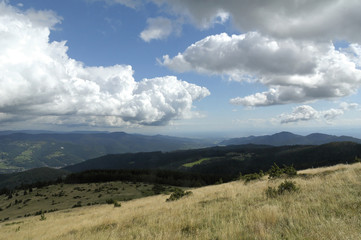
{"type": "Point", "coordinates": [20, 151]}
{"type": "Point", "coordinates": [287, 138]}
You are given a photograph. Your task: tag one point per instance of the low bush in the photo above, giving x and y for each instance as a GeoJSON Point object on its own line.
{"type": "Point", "coordinates": [110, 201]}
{"type": "Point", "coordinates": [78, 204]}
{"type": "Point", "coordinates": [38, 212]}
{"type": "Point", "coordinates": [252, 176]}
{"type": "Point", "coordinates": [277, 172]}
{"type": "Point", "coordinates": [271, 192]}
{"type": "Point", "coordinates": [289, 170]}
{"type": "Point", "coordinates": [286, 186]}
{"type": "Point", "coordinates": [42, 217]}
{"type": "Point", "coordinates": [158, 189]}
{"type": "Point", "coordinates": [177, 194]}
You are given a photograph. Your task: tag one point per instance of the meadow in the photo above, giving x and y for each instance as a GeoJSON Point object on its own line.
{"type": "Point", "coordinates": [327, 205]}
{"type": "Point", "coordinates": [52, 198]}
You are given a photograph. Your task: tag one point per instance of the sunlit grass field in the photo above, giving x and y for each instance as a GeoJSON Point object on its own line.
{"type": "Point", "coordinates": [327, 206]}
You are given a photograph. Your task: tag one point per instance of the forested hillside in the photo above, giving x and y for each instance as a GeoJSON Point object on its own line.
{"type": "Point", "coordinates": [22, 151]}
{"type": "Point", "coordinates": [229, 160]}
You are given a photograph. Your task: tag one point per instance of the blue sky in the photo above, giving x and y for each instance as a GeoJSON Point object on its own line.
{"type": "Point", "coordinates": [188, 68]}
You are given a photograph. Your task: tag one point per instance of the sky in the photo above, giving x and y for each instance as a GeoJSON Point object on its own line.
{"type": "Point", "coordinates": [195, 68]}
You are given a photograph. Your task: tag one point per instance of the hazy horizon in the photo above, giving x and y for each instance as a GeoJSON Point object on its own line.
{"type": "Point", "coordinates": [199, 135]}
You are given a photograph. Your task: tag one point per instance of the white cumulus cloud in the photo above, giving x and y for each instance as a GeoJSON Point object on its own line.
{"type": "Point", "coordinates": [288, 46]}
{"type": "Point", "coordinates": [39, 82]}
{"type": "Point", "coordinates": [307, 19]}
{"type": "Point", "coordinates": [158, 28]}
{"type": "Point", "coordinates": [308, 113]}
{"type": "Point", "coordinates": [294, 71]}
{"type": "Point", "coordinates": [301, 113]}
{"type": "Point", "coordinates": [241, 55]}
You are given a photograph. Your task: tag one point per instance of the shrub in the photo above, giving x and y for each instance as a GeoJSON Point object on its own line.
{"type": "Point", "coordinates": [111, 201]}
{"type": "Point", "coordinates": [177, 194]}
{"type": "Point", "coordinates": [271, 192]}
{"type": "Point", "coordinates": [78, 204]}
{"type": "Point", "coordinates": [275, 171]}
{"type": "Point", "coordinates": [42, 217]}
{"type": "Point", "coordinates": [289, 170]}
{"type": "Point", "coordinates": [38, 212]}
{"type": "Point", "coordinates": [158, 189]}
{"type": "Point", "coordinates": [59, 194]}
{"type": "Point", "coordinates": [286, 186]}
{"type": "Point", "coordinates": [252, 176]}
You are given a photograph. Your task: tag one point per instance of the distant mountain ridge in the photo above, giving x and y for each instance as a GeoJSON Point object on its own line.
{"type": "Point", "coordinates": [21, 151]}
{"type": "Point", "coordinates": [25, 150]}
{"type": "Point", "coordinates": [287, 138]}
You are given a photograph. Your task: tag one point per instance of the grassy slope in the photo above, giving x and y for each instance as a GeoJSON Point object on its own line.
{"type": "Point", "coordinates": [65, 196]}
{"type": "Point", "coordinates": [328, 206]}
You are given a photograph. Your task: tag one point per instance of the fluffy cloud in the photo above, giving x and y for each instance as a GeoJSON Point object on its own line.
{"type": "Point", "coordinates": [294, 71]}
{"type": "Point", "coordinates": [307, 113]}
{"type": "Point", "coordinates": [291, 52]}
{"type": "Point", "coordinates": [240, 55]}
{"type": "Point", "coordinates": [349, 106]}
{"type": "Point", "coordinates": [308, 19]}
{"type": "Point", "coordinates": [158, 28]}
{"type": "Point", "coordinates": [301, 113]}
{"type": "Point", "coordinates": [321, 20]}
{"type": "Point", "coordinates": [39, 81]}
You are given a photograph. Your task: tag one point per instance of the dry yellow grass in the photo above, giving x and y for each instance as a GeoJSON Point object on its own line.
{"type": "Point", "coordinates": [328, 206]}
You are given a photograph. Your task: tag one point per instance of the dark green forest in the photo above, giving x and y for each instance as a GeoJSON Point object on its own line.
{"type": "Point", "coordinates": [229, 160]}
